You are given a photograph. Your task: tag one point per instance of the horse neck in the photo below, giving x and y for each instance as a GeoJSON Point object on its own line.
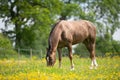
{"type": "Point", "coordinates": [54, 39]}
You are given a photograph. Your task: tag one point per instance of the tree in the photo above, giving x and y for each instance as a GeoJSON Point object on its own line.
{"type": "Point", "coordinates": [35, 17]}
{"type": "Point", "coordinates": [108, 22]}
{"type": "Point", "coordinates": [28, 17]}
{"type": "Point", "coordinates": [105, 13]}
{"type": "Point", "coordinates": [76, 9]}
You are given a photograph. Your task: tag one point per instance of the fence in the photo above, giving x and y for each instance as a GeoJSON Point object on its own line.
{"type": "Point", "coordinates": [22, 53]}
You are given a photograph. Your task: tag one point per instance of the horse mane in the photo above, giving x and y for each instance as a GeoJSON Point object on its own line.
{"type": "Point", "coordinates": [53, 27]}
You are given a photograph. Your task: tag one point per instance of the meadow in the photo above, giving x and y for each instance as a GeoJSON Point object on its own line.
{"type": "Point", "coordinates": [108, 69]}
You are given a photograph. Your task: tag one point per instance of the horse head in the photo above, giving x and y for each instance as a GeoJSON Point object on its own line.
{"type": "Point", "coordinates": [50, 58]}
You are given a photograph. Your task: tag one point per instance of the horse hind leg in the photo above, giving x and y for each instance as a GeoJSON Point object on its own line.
{"type": "Point", "coordinates": [92, 56]}
{"type": "Point", "coordinates": [91, 49]}
{"type": "Point", "coordinates": [93, 63]}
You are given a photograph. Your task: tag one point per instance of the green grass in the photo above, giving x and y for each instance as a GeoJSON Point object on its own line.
{"type": "Point", "coordinates": [109, 68]}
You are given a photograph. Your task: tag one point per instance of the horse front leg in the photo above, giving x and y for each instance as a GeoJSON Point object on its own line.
{"type": "Point", "coordinates": [60, 56]}
{"type": "Point", "coordinates": [71, 56]}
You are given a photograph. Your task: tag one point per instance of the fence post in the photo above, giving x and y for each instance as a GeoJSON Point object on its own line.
{"type": "Point", "coordinates": [18, 53]}
{"type": "Point", "coordinates": [31, 54]}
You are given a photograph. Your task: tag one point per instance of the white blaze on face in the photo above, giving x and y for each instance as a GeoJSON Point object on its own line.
{"type": "Point", "coordinates": [47, 58]}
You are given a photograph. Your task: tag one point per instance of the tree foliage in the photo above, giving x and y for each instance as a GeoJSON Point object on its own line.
{"type": "Point", "coordinates": [106, 19]}
{"type": "Point", "coordinates": [33, 19]}
{"type": "Point", "coordinates": [28, 17]}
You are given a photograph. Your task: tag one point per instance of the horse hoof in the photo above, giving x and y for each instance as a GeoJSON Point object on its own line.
{"type": "Point", "coordinates": [91, 67]}
{"type": "Point", "coordinates": [95, 67]}
{"type": "Point", "coordinates": [72, 69]}
{"type": "Point", "coordinates": [60, 67]}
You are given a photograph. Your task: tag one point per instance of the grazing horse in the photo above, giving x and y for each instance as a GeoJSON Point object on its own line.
{"type": "Point", "coordinates": [68, 33]}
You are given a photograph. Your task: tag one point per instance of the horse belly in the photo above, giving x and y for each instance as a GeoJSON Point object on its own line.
{"type": "Point", "coordinates": [79, 37]}
{"type": "Point", "coordinates": [75, 40]}
{"type": "Point", "coordinates": [62, 44]}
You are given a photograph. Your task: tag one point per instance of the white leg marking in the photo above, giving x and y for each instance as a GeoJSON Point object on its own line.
{"type": "Point", "coordinates": [92, 63]}
{"type": "Point", "coordinates": [72, 67]}
{"type": "Point", "coordinates": [60, 65]}
{"type": "Point", "coordinates": [95, 64]}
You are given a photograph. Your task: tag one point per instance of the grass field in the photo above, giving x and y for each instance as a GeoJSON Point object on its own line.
{"type": "Point", "coordinates": [108, 69]}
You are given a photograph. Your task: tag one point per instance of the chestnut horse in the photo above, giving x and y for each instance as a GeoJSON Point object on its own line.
{"type": "Point", "coordinates": [68, 33]}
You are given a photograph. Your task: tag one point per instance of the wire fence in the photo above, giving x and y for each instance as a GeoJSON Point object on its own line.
{"type": "Point", "coordinates": [34, 54]}
{"type": "Point", "coordinates": [22, 54]}
{"type": "Point", "coordinates": [19, 53]}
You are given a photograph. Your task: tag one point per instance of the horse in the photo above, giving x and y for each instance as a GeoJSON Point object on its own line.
{"type": "Point", "coordinates": [67, 33]}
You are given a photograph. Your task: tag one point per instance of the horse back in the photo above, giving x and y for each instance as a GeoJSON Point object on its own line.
{"type": "Point", "coordinates": [77, 31]}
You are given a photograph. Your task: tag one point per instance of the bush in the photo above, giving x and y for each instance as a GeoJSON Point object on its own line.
{"type": "Point", "coordinates": [6, 49]}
